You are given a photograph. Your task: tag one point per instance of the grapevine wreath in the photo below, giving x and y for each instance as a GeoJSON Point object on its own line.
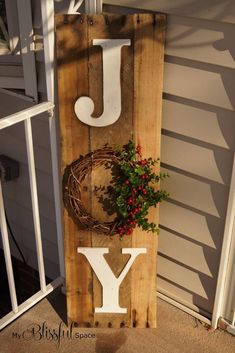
{"type": "Point", "coordinates": [133, 189]}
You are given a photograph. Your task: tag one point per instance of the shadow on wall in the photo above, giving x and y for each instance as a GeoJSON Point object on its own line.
{"type": "Point", "coordinates": [217, 10]}
{"type": "Point", "coordinates": [198, 125]}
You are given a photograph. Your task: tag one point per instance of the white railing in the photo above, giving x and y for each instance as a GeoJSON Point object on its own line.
{"type": "Point", "coordinates": [91, 6]}
{"type": "Point", "coordinates": [25, 116]}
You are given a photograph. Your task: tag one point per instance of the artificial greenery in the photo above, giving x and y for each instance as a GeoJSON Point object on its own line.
{"type": "Point", "coordinates": [135, 188]}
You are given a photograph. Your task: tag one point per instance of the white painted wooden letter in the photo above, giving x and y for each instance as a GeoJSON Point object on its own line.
{"type": "Point", "coordinates": [108, 280]}
{"type": "Point", "coordinates": [84, 106]}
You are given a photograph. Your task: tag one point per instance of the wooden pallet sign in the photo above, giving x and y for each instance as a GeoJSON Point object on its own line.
{"type": "Point", "coordinates": [110, 75]}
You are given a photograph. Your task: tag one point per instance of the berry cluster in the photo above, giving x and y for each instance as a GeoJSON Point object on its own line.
{"type": "Point", "coordinates": [136, 189]}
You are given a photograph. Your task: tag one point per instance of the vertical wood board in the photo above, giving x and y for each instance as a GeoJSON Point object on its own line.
{"type": "Point", "coordinates": [80, 74]}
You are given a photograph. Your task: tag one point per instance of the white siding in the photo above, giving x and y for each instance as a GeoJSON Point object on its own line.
{"type": "Point", "coordinates": [216, 10]}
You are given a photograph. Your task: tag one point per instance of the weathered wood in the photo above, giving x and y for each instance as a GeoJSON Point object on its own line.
{"type": "Point", "coordinates": [148, 84]}
{"type": "Point", "coordinates": [71, 34]}
{"type": "Point", "coordinates": [80, 74]}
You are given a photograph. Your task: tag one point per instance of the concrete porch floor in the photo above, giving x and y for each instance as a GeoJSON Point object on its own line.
{"type": "Point", "coordinates": [177, 332]}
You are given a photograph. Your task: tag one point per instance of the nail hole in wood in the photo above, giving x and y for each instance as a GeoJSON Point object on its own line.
{"type": "Point", "coordinates": [65, 20]}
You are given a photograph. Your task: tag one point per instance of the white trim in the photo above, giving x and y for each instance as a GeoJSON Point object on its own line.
{"type": "Point", "coordinates": [229, 302]}
{"type": "Point", "coordinates": [184, 308]}
{"type": "Point", "coordinates": [93, 6]}
{"type": "Point", "coordinates": [27, 48]}
{"type": "Point", "coordinates": [225, 325]}
{"type": "Point", "coordinates": [47, 10]}
{"type": "Point", "coordinates": [99, 6]}
{"type": "Point", "coordinates": [73, 8]}
{"type": "Point", "coordinates": [48, 29]}
{"type": "Point", "coordinates": [228, 305]}
{"type": "Point", "coordinates": [29, 112]}
{"type": "Point", "coordinates": [224, 258]}
{"type": "Point", "coordinates": [189, 305]}
{"type": "Point", "coordinates": [6, 320]}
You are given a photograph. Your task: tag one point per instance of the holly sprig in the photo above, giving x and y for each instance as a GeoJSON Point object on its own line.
{"type": "Point", "coordinates": [135, 187]}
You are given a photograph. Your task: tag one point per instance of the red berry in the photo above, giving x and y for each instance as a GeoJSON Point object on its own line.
{"type": "Point", "coordinates": [130, 200]}
{"type": "Point", "coordinates": [138, 149]}
{"type": "Point", "coordinates": [120, 230]}
{"type": "Point", "coordinates": [143, 162]}
{"type": "Point", "coordinates": [127, 182]}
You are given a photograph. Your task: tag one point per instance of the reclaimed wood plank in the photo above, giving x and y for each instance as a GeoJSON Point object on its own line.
{"type": "Point", "coordinates": [71, 32]}
{"type": "Point", "coordinates": [148, 84]}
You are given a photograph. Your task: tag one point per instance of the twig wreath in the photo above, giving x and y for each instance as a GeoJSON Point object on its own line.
{"type": "Point", "coordinates": [133, 189]}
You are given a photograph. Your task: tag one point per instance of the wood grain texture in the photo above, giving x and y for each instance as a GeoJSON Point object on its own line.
{"type": "Point", "coordinates": [71, 34]}
{"type": "Point", "coordinates": [80, 73]}
{"type": "Point", "coordinates": [148, 85]}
